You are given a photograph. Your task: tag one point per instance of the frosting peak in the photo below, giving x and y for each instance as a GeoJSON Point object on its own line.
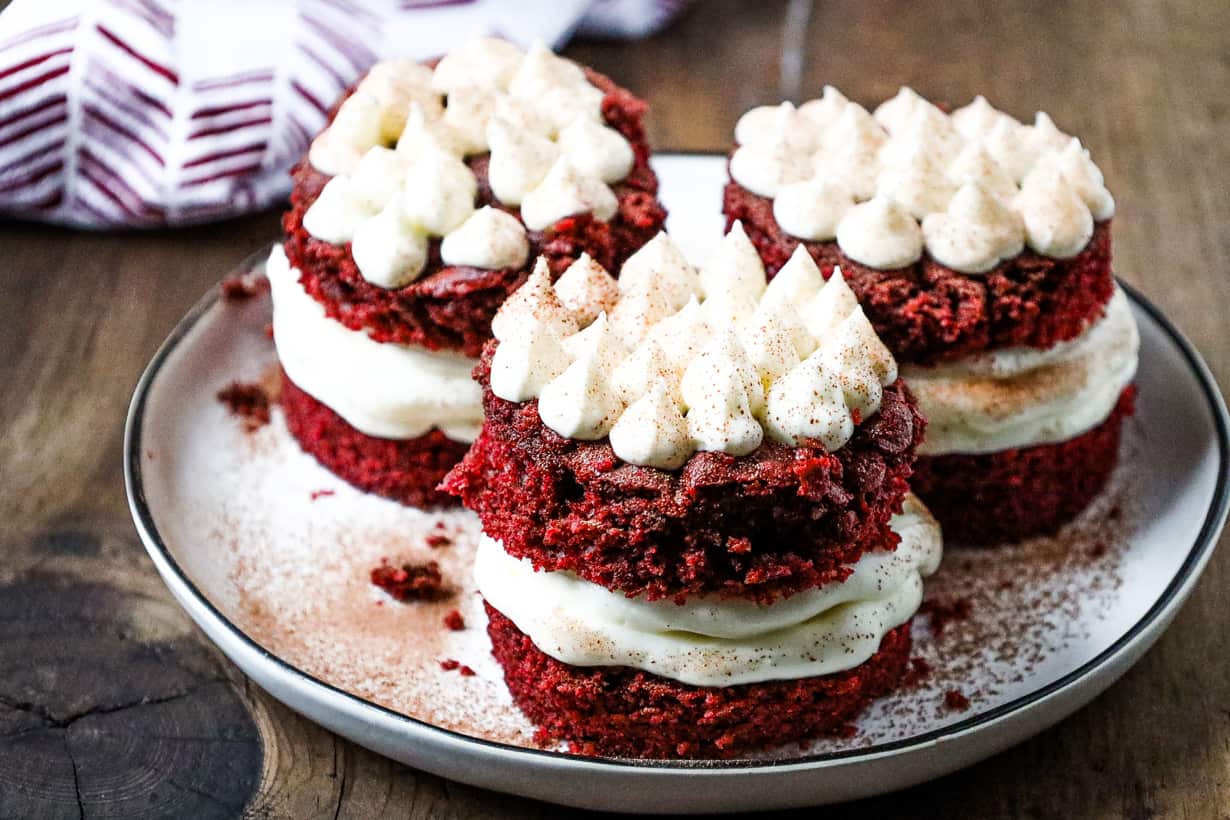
{"type": "Point", "coordinates": [489, 238]}
{"type": "Point", "coordinates": [1057, 221]}
{"type": "Point", "coordinates": [580, 403]}
{"type": "Point", "coordinates": [487, 62]}
{"type": "Point", "coordinates": [659, 264]}
{"type": "Point", "coordinates": [534, 304]}
{"type": "Point", "coordinates": [532, 110]}
{"type": "Point", "coordinates": [825, 163]}
{"type": "Point", "coordinates": [975, 233]}
{"type": "Point", "coordinates": [734, 272]}
{"type": "Point", "coordinates": [881, 234]}
{"type": "Point", "coordinates": [976, 119]}
{"type": "Point", "coordinates": [566, 191]}
{"type": "Point", "coordinates": [811, 209]}
{"type": "Point", "coordinates": [664, 382]}
{"type": "Point", "coordinates": [652, 432]}
{"type": "Point", "coordinates": [587, 289]}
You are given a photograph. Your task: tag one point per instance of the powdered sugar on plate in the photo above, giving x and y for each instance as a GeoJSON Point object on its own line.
{"type": "Point", "coordinates": [300, 546]}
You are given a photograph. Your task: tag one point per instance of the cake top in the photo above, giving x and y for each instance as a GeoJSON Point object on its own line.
{"type": "Point", "coordinates": [670, 360]}
{"type": "Point", "coordinates": [397, 146]}
{"type": "Point", "coordinates": [973, 187]}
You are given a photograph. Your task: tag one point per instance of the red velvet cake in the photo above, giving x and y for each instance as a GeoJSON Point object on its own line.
{"type": "Point", "coordinates": [980, 249]}
{"type": "Point", "coordinates": [415, 214]}
{"type": "Point", "coordinates": [396, 469]}
{"type": "Point", "coordinates": [622, 712]}
{"type": "Point", "coordinates": [1025, 490]}
{"type": "Point", "coordinates": [780, 519]}
{"type": "Point", "coordinates": [697, 539]}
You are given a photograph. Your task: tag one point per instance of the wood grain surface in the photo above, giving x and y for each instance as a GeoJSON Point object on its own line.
{"type": "Point", "coordinates": [112, 703]}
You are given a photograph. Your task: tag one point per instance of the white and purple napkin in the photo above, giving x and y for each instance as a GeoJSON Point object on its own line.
{"type": "Point", "coordinates": [145, 113]}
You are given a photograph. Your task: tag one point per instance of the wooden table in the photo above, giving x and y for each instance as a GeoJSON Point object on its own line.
{"type": "Point", "coordinates": [111, 701]}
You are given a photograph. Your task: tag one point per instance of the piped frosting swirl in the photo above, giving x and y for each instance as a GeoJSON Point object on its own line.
{"type": "Point", "coordinates": [875, 182]}
{"type": "Point", "coordinates": [551, 154]}
{"type": "Point", "coordinates": [674, 360]}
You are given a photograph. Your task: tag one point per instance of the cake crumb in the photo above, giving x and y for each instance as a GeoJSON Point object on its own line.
{"type": "Point", "coordinates": [247, 401]}
{"type": "Point", "coordinates": [454, 621]}
{"type": "Point", "coordinates": [322, 494]}
{"type": "Point", "coordinates": [917, 673]}
{"type": "Point", "coordinates": [410, 582]}
{"type": "Point", "coordinates": [956, 700]}
{"type": "Point", "coordinates": [942, 614]}
{"type": "Point", "coordinates": [466, 671]}
{"type": "Point", "coordinates": [438, 541]}
{"type": "Point", "coordinates": [241, 287]}
{"type": "Point", "coordinates": [449, 664]}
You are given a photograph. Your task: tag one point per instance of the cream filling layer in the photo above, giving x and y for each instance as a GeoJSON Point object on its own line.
{"type": "Point", "coordinates": [709, 641]}
{"type": "Point", "coordinates": [385, 390]}
{"type": "Point", "coordinates": [1021, 397]}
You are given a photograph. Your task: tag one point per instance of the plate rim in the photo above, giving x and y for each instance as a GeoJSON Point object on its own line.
{"type": "Point", "coordinates": [1198, 554]}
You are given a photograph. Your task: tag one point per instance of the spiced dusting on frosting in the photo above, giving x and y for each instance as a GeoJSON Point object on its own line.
{"type": "Point", "coordinates": [677, 360]}
{"type": "Point", "coordinates": [397, 147]}
{"type": "Point", "coordinates": [971, 188]}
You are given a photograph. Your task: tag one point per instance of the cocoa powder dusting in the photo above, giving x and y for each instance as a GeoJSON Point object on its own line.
{"type": "Point", "coordinates": [993, 616]}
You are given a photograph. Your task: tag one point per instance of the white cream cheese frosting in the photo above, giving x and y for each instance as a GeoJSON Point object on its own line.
{"type": "Point", "coordinates": [551, 153]}
{"type": "Point", "coordinates": [384, 390]}
{"type": "Point", "coordinates": [672, 360]}
{"type": "Point", "coordinates": [825, 163]}
{"type": "Point", "coordinates": [1022, 397]}
{"type": "Point", "coordinates": [710, 641]}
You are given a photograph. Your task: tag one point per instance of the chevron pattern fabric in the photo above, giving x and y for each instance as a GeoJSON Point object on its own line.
{"type": "Point", "coordinates": [148, 113]}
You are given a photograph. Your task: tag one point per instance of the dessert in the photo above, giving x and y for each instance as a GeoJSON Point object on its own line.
{"type": "Point", "coordinates": [415, 213]}
{"type": "Point", "coordinates": [697, 535]}
{"type": "Point", "coordinates": [980, 249]}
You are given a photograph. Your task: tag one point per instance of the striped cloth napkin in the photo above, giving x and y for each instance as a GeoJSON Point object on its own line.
{"type": "Point", "coordinates": [146, 113]}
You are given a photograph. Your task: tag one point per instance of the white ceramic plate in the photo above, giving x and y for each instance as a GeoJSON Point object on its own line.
{"type": "Point", "coordinates": [274, 570]}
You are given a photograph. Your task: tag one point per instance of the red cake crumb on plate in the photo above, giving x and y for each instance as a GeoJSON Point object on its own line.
{"type": "Point", "coordinates": [410, 582]}
{"type": "Point", "coordinates": [241, 287]}
{"type": "Point", "coordinates": [621, 712]}
{"type": "Point", "coordinates": [247, 401]}
{"type": "Point", "coordinates": [956, 700]}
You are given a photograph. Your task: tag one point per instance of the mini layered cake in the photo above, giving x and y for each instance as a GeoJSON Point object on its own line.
{"type": "Point", "coordinates": [979, 248]}
{"type": "Point", "coordinates": [697, 535]}
{"type": "Point", "coordinates": [414, 215]}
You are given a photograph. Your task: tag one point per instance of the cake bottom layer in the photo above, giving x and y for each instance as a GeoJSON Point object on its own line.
{"type": "Point", "coordinates": [1008, 495]}
{"type": "Point", "coordinates": [405, 470]}
{"type": "Point", "coordinates": [622, 712]}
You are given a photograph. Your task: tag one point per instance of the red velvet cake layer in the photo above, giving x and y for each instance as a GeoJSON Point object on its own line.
{"type": "Point", "coordinates": [451, 307]}
{"type": "Point", "coordinates": [776, 521]}
{"type": "Point", "coordinates": [621, 712]}
{"type": "Point", "coordinates": [1011, 494]}
{"type": "Point", "coordinates": [928, 313]}
{"type": "Point", "coordinates": [404, 470]}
